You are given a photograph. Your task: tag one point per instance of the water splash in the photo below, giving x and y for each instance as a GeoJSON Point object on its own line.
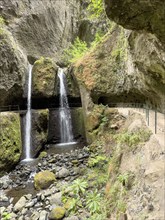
{"type": "Point", "coordinates": [65, 115]}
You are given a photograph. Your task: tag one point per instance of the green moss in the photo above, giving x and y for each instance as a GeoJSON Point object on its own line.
{"type": "Point", "coordinates": [10, 140]}
{"type": "Point", "coordinates": [57, 213]}
{"type": "Point", "coordinates": [119, 52]}
{"type": "Point", "coordinates": [44, 179]}
{"type": "Point", "coordinates": [43, 154]}
{"type": "Point", "coordinates": [44, 73]}
{"type": "Point", "coordinates": [2, 21]}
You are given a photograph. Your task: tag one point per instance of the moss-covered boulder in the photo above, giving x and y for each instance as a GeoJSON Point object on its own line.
{"type": "Point", "coordinates": [43, 154]}
{"type": "Point", "coordinates": [44, 78]}
{"type": "Point", "coordinates": [10, 140]}
{"type": "Point", "coordinates": [57, 213]}
{"type": "Point", "coordinates": [44, 179]}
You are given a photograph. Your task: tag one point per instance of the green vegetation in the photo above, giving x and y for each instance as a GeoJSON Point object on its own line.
{"type": "Point", "coordinates": [96, 9]}
{"type": "Point", "coordinates": [99, 160]}
{"type": "Point", "coordinates": [10, 140]}
{"type": "Point", "coordinates": [120, 51]}
{"type": "Point", "coordinates": [75, 51]}
{"type": "Point", "coordinates": [79, 48]}
{"type": "Point", "coordinates": [79, 186]}
{"type": "Point", "coordinates": [93, 202]}
{"type": "Point", "coordinates": [2, 21]}
{"type": "Point", "coordinates": [132, 139]}
{"type": "Point", "coordinates": [6, 216]}
{"type": "Point", "coordinates": [72, 204]}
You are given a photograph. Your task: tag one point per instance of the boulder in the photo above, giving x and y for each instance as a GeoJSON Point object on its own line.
{"type": "Point", "coordinates": [63, 173]}
{"type": "Point", "coordinates": [44, 77]}
{"type": "Point", "coordinates": [57, 213]}
{"type": "Point", "coordinates": [56, 199]}
{"type": "Point", "coordinates": [10, 140]}
{"type": "Point", "coordinates": [44, 179]}
{"type": "Point", "coordinates": [142, 15]}
{"type": "Point", "coordinates": [20, 204]}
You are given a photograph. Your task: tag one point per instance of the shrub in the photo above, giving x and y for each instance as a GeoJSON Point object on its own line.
{"type": "Point", "coordinates": [93, 200]}
{"type": "Point", "coordinates": [97, 161]}
{"type": "Point", "coordinates": [79, 186]}
{"type": "Point", "coordinates": [75, 51]}
{"type": "Point", "coordinates": [96, 9]}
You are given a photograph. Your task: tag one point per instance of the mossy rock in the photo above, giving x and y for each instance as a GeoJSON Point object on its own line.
{"type": "Point", "coordinates": [44, 179]}
{"type": "Point", "coordinates": [10, 140]}
{"type": "Point", "coordinates": [57, 213]}
{"type": "Point", "coordinates": [44, 77]}
{"type": "Point", "coordinates": [43, 154]}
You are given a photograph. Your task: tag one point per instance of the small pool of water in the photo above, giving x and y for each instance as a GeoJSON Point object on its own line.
{"type": "Point", "coordinates": [18, 192]}
{"type": "Point", "coordinates": [63, 147]}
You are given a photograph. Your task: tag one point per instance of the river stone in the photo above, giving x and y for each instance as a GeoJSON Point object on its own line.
{"type": "Point", "coordinates": [44, 179]}
{"type": "Point", "coordinates": [43, 215]}
{"type": "Point", "coordinates": [72, 218]}
{"type": "Point", "coordinates": [57, 213]}
{"type": "Point", "coordinates": [20, 204]}
{"type": "Point", "coordinates": [56, 199]}
{"type": "Point", "coordinates": [63, 173]}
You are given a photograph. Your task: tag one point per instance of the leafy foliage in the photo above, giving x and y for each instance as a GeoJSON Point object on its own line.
{"type": "Point", "coordinates": [79, 186]}
{"type": "Point", "coordinates": [93, 202]}
{"type": "Point", "coordinates": [73, 204]}
{"type": "Point", "coordinates": [98, 160]}
{"type": "Point", "coordinates": [96, 8]}
{"type": "Point", "coordinates": [6, 216]}
{"type": "Point", "coordinates": [132, 139]}
{"type": "Point", "coordinates": [75, 51]}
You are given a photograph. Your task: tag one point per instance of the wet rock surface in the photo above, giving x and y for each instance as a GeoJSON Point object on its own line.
{"type": "Point", "coordinates": [19, 197]}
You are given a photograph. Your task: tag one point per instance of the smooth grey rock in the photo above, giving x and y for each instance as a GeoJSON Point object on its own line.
{"type": "Point", "coordinates": [56, 199]}
{"type": "Point", "coordinates": [43, 215]}
{"type": "Point", "coordinates": [20, 204]}
{"type": "Point", "coordinates": [63, 173]}
{"type": "Point", "coordinates": [72, 218]}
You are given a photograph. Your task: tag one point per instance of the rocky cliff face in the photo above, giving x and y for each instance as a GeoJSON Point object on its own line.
{"type": "Point", "coordinates": [126, 67]}
{"type": "Point", "coordinates": [29, 30]}
{"type": "Point", "coordinates": [42, 28]}
{"type": "Point", "coordinates": [138, 15]}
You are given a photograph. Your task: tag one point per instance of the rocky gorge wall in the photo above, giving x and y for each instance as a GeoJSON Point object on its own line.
{"type": "Point", "coordinates": [29, 30]}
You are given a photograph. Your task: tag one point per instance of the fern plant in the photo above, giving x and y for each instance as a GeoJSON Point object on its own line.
{"type": "Point", "coordinates": [79, 186]}
{"type": "Point", "coordinates": [93, 200]}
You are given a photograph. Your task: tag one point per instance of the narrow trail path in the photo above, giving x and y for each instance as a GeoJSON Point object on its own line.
{"type": "Point", "coordinates": [160, 128]}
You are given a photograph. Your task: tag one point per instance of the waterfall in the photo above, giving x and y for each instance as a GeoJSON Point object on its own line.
{"type": "Point", "coordinates": [28, 118]}
{"type": "Point", "coordinates": [65, 115]}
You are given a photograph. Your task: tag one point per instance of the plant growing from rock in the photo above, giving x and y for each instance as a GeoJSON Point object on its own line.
{"type": "Point", "coordinates": [75, 51]}
{"type": "Point", "coordinates": [99, 160]}
{"type": "Point", "coordinates": [96, 9]}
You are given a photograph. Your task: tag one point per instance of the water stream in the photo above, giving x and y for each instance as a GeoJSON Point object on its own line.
{"type": "Point", "coordinates": [28, 118]}
{"type": "Point", "coordinates": [64, 111]}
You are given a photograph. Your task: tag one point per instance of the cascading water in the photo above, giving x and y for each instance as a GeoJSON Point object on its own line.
{"type": "Point", "coordinates": [65, 115]}
{"type": "Point", "coordinates": [28, 118]}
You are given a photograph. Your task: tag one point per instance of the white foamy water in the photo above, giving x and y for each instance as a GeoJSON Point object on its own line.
{"type": "Point", "coordinates": [64, 110]}
{"type": "Point", "coordinates": [28, 118]}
